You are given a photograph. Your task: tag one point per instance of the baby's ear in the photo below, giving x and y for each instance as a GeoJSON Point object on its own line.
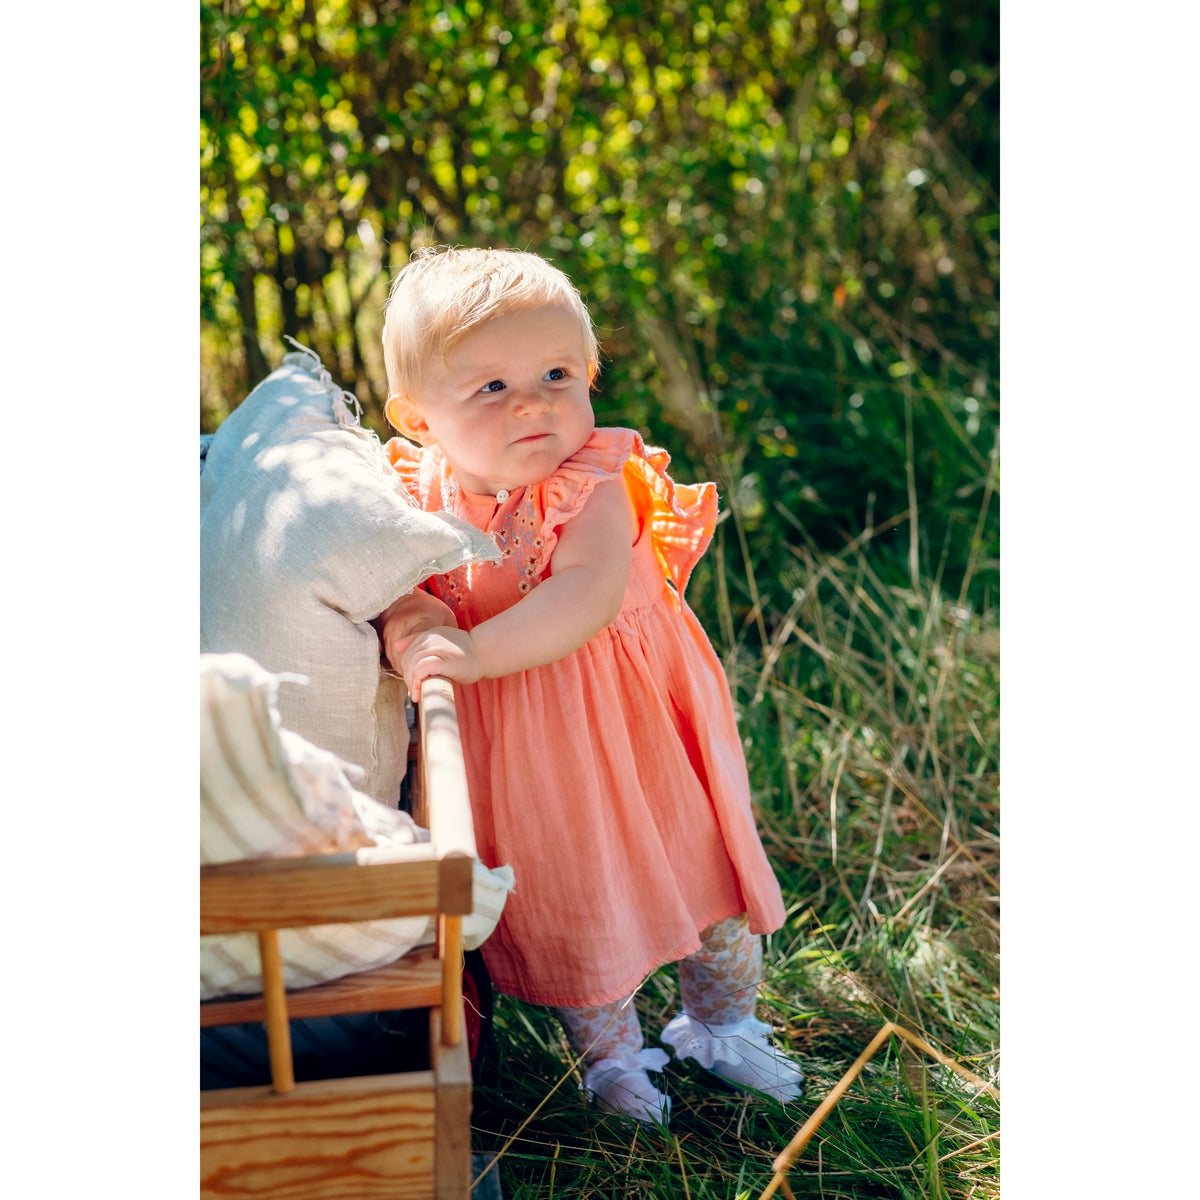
{"type": "Point", "coordinates": [404, 416]}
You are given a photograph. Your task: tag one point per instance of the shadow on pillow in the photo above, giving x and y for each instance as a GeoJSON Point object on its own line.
{"type": "Point", "coordinates": [305, 536]}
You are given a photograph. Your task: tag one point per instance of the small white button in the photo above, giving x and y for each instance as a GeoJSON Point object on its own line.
{"type": "Point", "coordinates": [501, 495]}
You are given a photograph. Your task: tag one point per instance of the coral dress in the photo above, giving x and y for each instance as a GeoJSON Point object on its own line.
{"type": "Point", "coordinates": [612, 780]}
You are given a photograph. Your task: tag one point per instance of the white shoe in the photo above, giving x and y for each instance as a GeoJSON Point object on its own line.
{"type": "Point", "coordinates": [739, 1054]}
{"type": "Point", "coordinates": [622, 1086]}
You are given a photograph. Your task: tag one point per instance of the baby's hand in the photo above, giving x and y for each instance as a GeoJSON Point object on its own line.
{"type": "Point", "coordinates": [442, 651]}
{"type": "Point", "coordinates": [408, 616]}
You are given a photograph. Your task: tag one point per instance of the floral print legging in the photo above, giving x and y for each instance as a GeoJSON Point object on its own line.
{"type": "Point", "coordinates": [718, 984]}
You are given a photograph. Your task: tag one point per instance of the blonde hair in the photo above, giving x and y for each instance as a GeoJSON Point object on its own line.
{"type": "Point", "coordinates": [441, 295]}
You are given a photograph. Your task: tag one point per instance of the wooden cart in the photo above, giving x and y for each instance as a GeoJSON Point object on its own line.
{"type": "Point", "coordinates": [404, 1135]}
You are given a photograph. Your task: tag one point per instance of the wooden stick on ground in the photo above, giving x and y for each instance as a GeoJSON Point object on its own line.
{"type": "Point", "coordinates": [783, 1162]}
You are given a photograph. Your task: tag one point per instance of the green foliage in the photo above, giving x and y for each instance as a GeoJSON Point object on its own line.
{"type": "Point", "coordinates": [783, 215]}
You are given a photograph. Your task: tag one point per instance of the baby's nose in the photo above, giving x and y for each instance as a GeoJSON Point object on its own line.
{"type": "Point", "coordinates": [530, 400]}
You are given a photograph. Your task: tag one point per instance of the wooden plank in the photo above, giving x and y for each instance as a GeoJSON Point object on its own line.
{"type": "Point", "coordinates": [339, 1139]}
{"type": "Point", "coordinates": [456, 882]}
{"type": "Point", "coordinates": [452, 1065]}
{"type": "Point", "coordinates": [414, 981]}
{"type": "Point", "coordinates": [282, 893]}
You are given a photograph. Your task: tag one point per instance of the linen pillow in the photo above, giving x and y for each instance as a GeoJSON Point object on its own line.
{"type": "Point", "coordinates": [305, 536]}
{"type": "Point", "coordinates": [266, 792]}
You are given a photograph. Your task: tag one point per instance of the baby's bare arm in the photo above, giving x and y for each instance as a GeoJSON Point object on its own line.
{"type": "Point", "coordinates": [589, 572]}
{"type": "Point", "coordinates": [588, 576]}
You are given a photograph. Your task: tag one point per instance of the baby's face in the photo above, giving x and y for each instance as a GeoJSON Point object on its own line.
{"type": "Point", "coordinates": [511, 401]}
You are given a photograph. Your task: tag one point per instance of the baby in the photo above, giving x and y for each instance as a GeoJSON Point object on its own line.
{"type": "Point", "coordinates": [603, 757]}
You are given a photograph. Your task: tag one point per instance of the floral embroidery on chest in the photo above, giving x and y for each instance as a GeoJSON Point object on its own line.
{"type": "Point", "coordinates": [517, 535]}
{"type": "Point", "coordinates": [519, 538]}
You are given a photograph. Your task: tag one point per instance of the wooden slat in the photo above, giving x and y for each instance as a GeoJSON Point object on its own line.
{"type": "Point", "coordinates": [282, 893]}
{"type": "Point", "coordinates": [279, 1036]}
{"type": "Point", "coordinates": [337, 1139]}
{"type": "Point", "coordinates": [414, 981]}
{"type": "Point", "coordinates": [456, 881]}
{"type": "Point", "coordinates": [452, 1065]}
{"type": "Point", "coordinates": [450, 951]}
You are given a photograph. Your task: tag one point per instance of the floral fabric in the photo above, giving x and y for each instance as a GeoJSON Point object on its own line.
{"type": "Point", "coordinates": [718, 983]}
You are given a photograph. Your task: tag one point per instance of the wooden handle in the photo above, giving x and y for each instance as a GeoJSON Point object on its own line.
{"type": "Point", "coordinates": [446, 799]}
{"type": "Point", "coordinates": [444, 776]}
{"type": "Point", "coordinates": [451, 829]}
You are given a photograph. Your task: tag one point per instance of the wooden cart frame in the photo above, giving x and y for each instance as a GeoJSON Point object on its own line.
{"type": "Point", "coordinates": [404, 1135]}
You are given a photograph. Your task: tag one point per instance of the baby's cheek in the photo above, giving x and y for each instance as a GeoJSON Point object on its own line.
{"type": "Point", "coordinates": [586, 426]}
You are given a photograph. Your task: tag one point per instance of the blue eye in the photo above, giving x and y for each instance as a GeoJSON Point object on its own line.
{"type": "Point", "coordinates": [496, 385]}
{"type": "Point", "coordinates": [556, 374]}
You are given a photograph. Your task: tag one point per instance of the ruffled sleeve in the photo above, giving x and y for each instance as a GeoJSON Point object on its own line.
{"type": "Point", "coordinates": [565, 492]}
{"type": "Point", "coordinates": [419, 471]}
{"type": "Point", "coordinates": [681, 518]}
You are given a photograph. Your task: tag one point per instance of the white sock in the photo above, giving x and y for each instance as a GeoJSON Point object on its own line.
{"type": "Point", "coordinates": [739, 1053]}
{"type": "Point", "coordinates": [622, 1086]}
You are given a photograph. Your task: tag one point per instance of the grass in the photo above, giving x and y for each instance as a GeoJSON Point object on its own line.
{"type": "Point", "coordinates": [869, 712]}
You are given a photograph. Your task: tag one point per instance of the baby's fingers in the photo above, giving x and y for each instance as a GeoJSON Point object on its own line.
{"type": "Point", "coordinates": [394, 648]}
{"type": "Point", "coordinates": [442, 651]}
{"type": "Point", "coordinates": [417, 664]}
